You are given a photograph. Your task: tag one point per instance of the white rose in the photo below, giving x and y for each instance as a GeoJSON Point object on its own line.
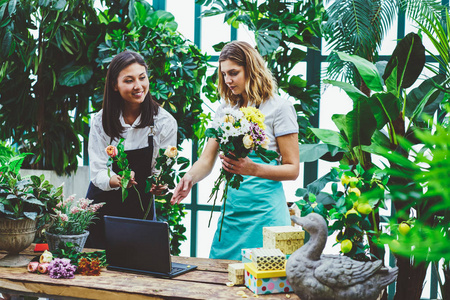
{"type": "Point", "coordinates": [171, 152]}
{"type": "Point", "coordinates": [248, 141]}
{"type": "Point", "coordinates": [46, 257]}
{"type": "Point", "coordinates": [265, 143]}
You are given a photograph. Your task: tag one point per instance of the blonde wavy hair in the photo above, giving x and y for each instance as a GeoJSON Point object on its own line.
{"type": "Point", "coordinates": [259, 82]}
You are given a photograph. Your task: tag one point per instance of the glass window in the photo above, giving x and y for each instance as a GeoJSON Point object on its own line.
{"type": "Point", "coordinates": [205, 234]}
{"type": "Point", "coordinates": [184, 12]}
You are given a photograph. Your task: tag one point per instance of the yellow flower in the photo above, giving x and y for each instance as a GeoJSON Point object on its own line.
{"type": "Point", "coordinates": [171, 152]}
{"type": "Point", "coordinates": [254, 115]}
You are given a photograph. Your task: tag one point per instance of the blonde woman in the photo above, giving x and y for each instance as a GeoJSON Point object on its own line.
{"type": "Point", "coordinates": [244, 80]}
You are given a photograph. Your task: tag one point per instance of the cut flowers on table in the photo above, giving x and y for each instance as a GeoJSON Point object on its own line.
{"type": "Point", "coordinates": [238, 133]}
{"type": "Point", "coordinates": [66, 261]}
{"type": "Point", "coordinates": [73, 217]}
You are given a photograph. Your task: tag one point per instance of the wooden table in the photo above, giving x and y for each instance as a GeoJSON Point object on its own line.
{"type": "Point", "coordinates": [208, 281]}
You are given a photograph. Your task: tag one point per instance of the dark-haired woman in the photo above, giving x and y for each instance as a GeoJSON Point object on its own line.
{"type": "Point", "coordinates": [128, 112]}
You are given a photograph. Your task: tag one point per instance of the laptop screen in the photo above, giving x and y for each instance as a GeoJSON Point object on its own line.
{"type": "Point", "coordinates": [137, 244]}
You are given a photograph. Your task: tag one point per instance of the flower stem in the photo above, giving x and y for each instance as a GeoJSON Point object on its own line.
{"type": "Point", "coordinates": [139, 196]}
{"type": "Point", "coordinates": [148, 208]}
{"type": "Point", "coordinates": [224, 198]}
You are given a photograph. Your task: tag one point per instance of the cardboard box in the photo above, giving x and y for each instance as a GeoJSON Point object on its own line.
{"type": "Point", "coordinates": [268, 259]}
{"type": "Point", "coordinates": [236, 273]}
{"type": "Point", "coordinates": [266, 282]}
{"type": "Point", "coordinates": [286, 238]}
{"type": "Point", "coordinates": [247, 254]}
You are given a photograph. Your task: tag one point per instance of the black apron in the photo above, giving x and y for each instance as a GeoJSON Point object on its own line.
{"type": "Point", "coordinates": [140, 161]}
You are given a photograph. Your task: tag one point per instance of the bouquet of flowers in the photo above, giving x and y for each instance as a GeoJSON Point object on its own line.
{"type": "Point", "coordinates": [238, 133]}
{"type": "Point", "coordinates": [73, 217]}
{"type": "Point", "coordinates": [118, 155]}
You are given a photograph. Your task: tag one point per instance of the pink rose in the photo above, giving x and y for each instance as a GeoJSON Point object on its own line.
{"type": "Point", "coordinates": [43, 268]}
{"type": "Point", "coordinates": [112, 151]}
{"type": "Point", "coordinates": [33, 266]}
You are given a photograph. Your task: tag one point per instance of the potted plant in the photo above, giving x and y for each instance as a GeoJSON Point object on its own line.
{"type": "Point", "coordinates": [23, 203]}
{"type": "Point", "coordinates": [70, 222]}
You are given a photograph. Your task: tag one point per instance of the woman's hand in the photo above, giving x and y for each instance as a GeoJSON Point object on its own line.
{"type": "Point", "coordinates": [159, 190]}
{"type": "Point", "coordinates": [116, 181]}
{"type": "Point", "coordinates": [242, 166]}
{"type": "Point", "coordinates": [182, 190]}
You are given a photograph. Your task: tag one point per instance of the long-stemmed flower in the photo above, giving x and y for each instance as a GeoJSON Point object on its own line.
{"type": "Point", "coordinates": [238, 133]}
{"type": "Point", "coordinates": [165, 174]}
{"type": "Point", "coordinates": [118, 155]}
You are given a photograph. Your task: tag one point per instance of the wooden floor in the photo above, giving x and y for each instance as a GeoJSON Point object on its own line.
{"type": "Point", "coordinates": [208, 281]}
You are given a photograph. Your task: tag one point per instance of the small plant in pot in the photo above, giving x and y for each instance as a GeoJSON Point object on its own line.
{"type": "Point", "coordinates": [70, 221]}
{"type": "Point", "coordinates": [23, 203]}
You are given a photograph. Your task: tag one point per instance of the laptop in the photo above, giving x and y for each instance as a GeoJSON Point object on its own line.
{"type": "Point", "coordinates": [140, 246]}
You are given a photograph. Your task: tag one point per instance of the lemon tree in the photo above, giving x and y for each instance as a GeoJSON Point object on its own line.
{"type": "Point", "coordinates": [355, 198]}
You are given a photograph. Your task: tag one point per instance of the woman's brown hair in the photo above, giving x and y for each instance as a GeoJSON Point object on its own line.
{"type": "Point", "coordinates": [260, 84]}
{"type": "Point", "coordinates": [113, 102]}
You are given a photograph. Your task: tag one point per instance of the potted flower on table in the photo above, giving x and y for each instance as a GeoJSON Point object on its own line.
{"type": "Point", "coordinates": [70, 221]}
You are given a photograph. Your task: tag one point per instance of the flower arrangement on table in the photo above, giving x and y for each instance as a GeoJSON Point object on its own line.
{"type": "Point", "coordinates": [73, 217]}
{"type": "Point", "coordinates": [65, 262]}
{"type": "Point", "coordinates": [238, 133]}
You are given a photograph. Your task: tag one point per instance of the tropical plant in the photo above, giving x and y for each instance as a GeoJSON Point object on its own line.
{"type": "Point", "coordinates": [282, 30]}
{"type": "Point", "coordinates": [402, 114]}
{"type": "Point", "coordinates": [358, 27]}
{"type": "Point", "coordinates": [350, 209]}
{"type": "Point", "coordinates": [47, 75]}
{"type": "Point", "coordinates": [426, 171]}
{"type": "Point", "coordinates": [31, 197]}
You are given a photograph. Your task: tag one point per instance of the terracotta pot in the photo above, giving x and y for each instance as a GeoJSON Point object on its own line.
{"type": "Point", "coordinates": [15, 236]}
{"type": "Point", "coordinates": [78, 240]}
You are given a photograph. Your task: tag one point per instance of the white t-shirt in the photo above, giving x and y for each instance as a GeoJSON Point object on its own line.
{"type": "Point", "coordinates": [165, 135]}
{"type": "Point", "coordinates": [280, 118]}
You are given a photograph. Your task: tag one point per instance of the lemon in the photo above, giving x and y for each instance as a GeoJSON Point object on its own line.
{"type": "Point", "coordinates": [345, 179]}
{"type": "Point", "coordinates": [404, 228]}
{"type": "Point", "coordinates": [353, 181]}
{"type": "Point", "coordinates": [351, 211]}
{"type": "Point", "coordinates": [364, 208]}
{"type": "Point", "coordinates": [394, 245]}
{"type": "Point", "coordinates": [346, 246]}
{"type": "Point", "coordinates": [354, 190]}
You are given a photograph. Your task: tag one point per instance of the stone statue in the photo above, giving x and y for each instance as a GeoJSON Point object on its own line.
{"type": "Point", "coordinates": [314, 276]}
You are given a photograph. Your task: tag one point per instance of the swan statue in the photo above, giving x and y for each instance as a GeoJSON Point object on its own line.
{"type": "Point", "coordinates": [317, 276]}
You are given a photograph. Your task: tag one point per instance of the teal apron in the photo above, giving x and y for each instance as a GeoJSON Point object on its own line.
{"type": "Point", "coordinates": [256, 204]}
